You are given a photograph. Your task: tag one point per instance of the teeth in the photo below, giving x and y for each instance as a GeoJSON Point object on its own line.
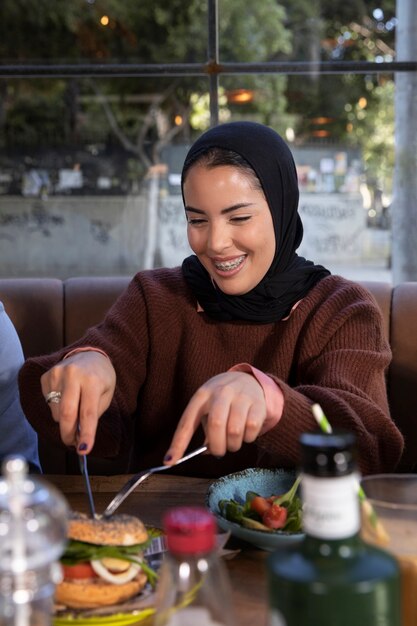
{"type": "Point", "coordinates": [229, 265]}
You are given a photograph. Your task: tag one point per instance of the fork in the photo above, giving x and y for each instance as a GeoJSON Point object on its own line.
{"type": "Point", "coordinates": [137, 479]}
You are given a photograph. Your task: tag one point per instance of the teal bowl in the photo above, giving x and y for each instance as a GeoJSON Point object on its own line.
{"type": "Point", "coordinates": [265, 482]}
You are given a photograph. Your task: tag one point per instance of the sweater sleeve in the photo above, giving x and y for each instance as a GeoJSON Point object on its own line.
{"type": "Point", "coordinates": [123, 337]}
{"type": "Point", "coordinates": [274, 398]}
{"type": "Point", "coordinates": [342, 364]}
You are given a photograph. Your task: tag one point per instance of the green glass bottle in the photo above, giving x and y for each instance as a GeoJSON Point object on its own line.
{"type": "Point", "coordinates": [332, 578]}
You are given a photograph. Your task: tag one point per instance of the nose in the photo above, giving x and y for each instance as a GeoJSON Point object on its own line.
{"type": "Point", "coordinates": [219, 238]}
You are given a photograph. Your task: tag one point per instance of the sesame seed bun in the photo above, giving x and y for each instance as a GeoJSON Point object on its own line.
{"type": "Point", "coordinates": [96, 593]}
{"type": "Point", "coordinates": [117, 530]}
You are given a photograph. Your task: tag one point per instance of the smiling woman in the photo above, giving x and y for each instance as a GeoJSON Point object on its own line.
{"type": "Point", "coordinates": [234, 241]}
{"type": "Point", "coordinates": [234, 347]}
{"type": "Point", "coordinates": [227, 174]}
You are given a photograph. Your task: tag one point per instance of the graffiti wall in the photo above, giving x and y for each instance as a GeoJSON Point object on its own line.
{"type": "Point", "coordinates": [334, 226]}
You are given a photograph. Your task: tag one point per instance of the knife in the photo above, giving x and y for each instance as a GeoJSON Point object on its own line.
{"type": "Point", "coordinates": [82, 460]}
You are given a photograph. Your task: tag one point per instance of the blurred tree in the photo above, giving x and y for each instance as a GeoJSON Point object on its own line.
{"type": "Point", "coordinates": [351, 109]}
{"type": "Point", "coordinates": [142, 114]}
{"type": "Point", "coordinates": [324, 30]}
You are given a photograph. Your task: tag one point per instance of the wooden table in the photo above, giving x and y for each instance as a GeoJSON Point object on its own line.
{"type": "Point", "coordinates": [160, 492]}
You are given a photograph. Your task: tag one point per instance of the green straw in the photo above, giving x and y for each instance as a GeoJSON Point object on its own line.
{"type": "Point", "coordinates": [321, 419]}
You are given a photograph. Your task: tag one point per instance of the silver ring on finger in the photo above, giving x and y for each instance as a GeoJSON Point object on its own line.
{"type": "Point", "coordinates": [53, 397]}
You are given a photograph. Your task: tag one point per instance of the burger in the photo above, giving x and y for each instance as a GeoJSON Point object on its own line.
{"type": "Point", "coordinates": [103, 563]}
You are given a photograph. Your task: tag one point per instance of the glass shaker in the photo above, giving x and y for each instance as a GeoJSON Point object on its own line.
{"type": "Point", "coordinates": [33, 518]}
{"type": "Point", "coordinates": [193, 587]}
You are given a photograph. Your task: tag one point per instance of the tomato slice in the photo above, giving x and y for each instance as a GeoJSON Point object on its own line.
{"type": "Point", "coordinates": [78, 571]}
{"type": "Point", "coordinates": [275, 517]}
{"type": "Point", "coordinates": [260, 505]}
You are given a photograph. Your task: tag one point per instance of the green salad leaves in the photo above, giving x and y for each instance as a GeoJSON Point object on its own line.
{"type": "Point", "coordinates": [276, 512]}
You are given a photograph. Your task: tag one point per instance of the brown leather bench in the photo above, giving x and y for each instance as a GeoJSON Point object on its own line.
{"type": "Point", "coordinates": [49, 313]}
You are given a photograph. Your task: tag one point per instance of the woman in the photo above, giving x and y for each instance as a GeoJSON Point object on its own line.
{"type": "Point", "coordinates": [233, 347]}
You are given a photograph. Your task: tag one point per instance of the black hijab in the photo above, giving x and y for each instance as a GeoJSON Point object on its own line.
{"type": "Point", "coordinates": [290, 277]}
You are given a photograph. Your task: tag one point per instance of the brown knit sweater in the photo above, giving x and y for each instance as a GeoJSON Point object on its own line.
{"type": "Point", "coordinates": [331, 350]}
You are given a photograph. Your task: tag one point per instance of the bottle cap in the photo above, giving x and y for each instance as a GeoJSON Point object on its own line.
{"type": "Point", "coordinates": [331, 455]}
{"type": "Point", "coordinates": [190, 530]}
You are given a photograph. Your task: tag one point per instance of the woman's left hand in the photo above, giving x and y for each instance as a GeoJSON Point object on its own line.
{"type": "Point", "coordinates": [232, 409]}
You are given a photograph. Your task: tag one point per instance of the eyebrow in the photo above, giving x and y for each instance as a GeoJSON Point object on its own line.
{"type": "Point", "coordinates": [229, 209]}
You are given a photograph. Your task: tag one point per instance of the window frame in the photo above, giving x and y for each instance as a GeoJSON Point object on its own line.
{"type": "Point", "coordinates": [212, 68]}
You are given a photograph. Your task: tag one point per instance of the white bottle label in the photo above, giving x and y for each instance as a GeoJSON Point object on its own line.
{"type": "Point", "coordinates": [330, 506]}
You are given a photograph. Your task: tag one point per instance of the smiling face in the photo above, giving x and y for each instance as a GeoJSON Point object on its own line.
{"type": "Point", "coordinates": [230, 226]}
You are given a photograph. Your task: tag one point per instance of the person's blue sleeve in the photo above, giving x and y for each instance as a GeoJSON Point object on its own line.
{"type": "Point", "coordinates": [17, 436]}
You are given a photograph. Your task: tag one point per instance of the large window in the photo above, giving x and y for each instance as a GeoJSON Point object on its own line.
{"type": "Point", "coordinates": [99, 100]}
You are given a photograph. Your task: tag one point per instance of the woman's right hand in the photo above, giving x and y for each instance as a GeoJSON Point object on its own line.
{"type": "Point", "coordinates": [87, 381]}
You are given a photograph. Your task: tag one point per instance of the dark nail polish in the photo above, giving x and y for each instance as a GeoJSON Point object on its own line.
{"type": "Point", "coordinates": [167, 457]}
{"type": "Point", "coordinates": [82, 447]}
